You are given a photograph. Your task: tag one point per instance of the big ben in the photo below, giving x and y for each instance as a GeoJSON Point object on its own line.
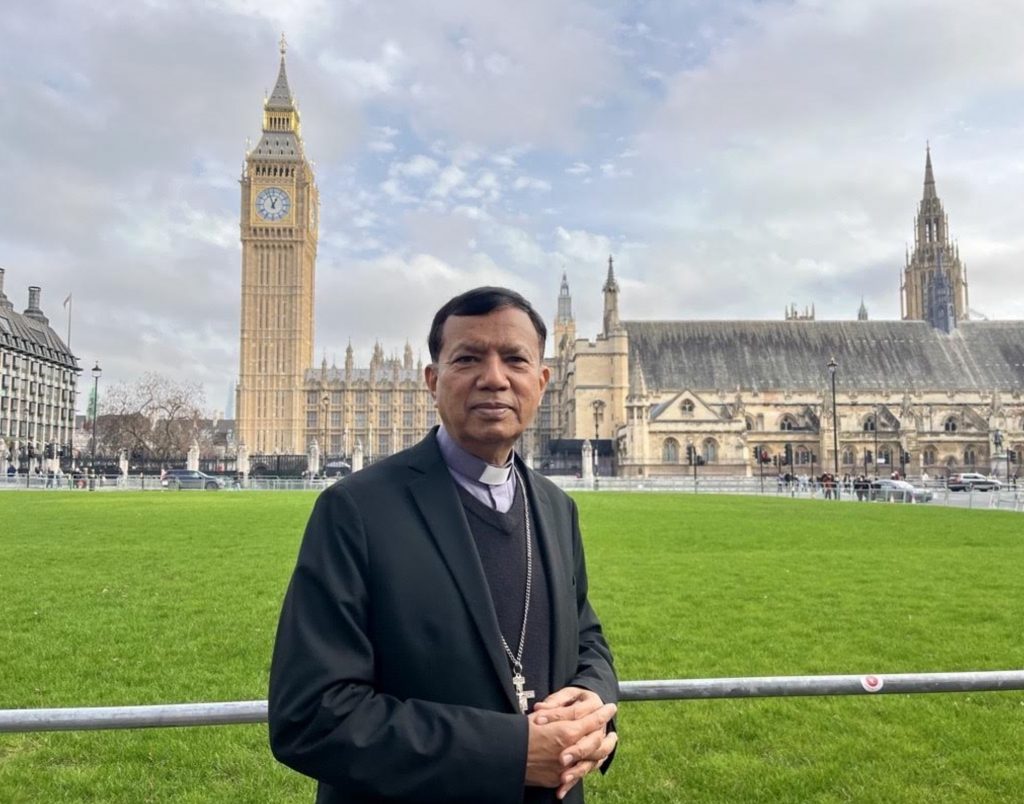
{"type": "Point", "coordinates": [279, 239]}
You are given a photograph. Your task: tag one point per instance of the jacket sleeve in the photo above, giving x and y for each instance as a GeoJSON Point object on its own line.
{"type": "Point", "coordinates": [327, 719]}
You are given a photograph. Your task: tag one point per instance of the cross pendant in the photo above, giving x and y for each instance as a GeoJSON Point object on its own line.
{"type": "Point", "coordinates": [522, 694]}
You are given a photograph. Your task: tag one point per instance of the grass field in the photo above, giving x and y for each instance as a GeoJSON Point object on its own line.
{"type": "Point", "coordinates": [164, 598]}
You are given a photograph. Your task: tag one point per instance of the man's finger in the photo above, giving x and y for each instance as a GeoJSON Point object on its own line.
{"type": "Point", "coordinates": [563, 697]}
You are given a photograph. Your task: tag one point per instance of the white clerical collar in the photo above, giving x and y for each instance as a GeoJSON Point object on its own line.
{"type": "Point", "coordinates": [469, 465]}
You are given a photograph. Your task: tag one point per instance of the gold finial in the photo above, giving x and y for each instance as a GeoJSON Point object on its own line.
{"type": "Point", "coordinates": [283, 44]}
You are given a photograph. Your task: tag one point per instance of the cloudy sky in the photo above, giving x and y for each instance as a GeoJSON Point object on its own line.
{"type": "Point", "coordinates": [734, 156]}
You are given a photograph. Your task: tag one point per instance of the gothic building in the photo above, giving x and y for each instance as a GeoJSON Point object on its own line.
{"type": "Point", "coordinates": [932, 393]}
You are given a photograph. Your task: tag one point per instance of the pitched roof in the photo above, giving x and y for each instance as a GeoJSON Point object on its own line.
{"type": "Point", "coordinates": [793, 355]}
{"type": "Point", "coordinates": [31, 336]}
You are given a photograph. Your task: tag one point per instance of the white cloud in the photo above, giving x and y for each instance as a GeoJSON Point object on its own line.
{"type": "Point", "coordinates": [532, 183]}
{"type": "Point", "coordinates": [578, 169]}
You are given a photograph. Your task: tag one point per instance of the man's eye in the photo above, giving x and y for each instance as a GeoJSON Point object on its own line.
{"type": "Point", "coordinates": [464, 359]}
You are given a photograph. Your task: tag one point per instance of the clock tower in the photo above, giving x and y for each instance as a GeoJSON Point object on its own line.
{"type": "Point", "coordinates": [279, 226]}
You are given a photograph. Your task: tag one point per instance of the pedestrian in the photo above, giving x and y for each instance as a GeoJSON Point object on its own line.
{"type": "Point", "coordinates": [436, 642]}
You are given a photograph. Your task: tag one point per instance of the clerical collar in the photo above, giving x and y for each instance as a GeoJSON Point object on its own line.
{"type": "Point", "coordinates": [469, 465]}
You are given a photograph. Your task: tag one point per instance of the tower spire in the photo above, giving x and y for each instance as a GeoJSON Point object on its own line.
{"type": "Point", "coordinates": [611, 300]}
{"type": "Point", "coordinates": [929, 176]}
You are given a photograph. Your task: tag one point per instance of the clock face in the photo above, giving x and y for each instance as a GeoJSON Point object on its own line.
{"type": "Point", "coordinates": [273, 203]}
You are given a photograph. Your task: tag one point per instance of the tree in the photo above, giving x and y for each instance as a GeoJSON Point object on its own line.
{"type": "Point", "coordinates": [155, 417]}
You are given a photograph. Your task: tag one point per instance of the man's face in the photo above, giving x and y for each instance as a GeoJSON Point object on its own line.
{"type": "Point", "coordinates": [488, 380]}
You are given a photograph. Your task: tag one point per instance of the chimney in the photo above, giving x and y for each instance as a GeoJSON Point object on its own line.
{"type": "Point", "coordinates": [33, 310]}
{"type": "Point", "coordinates": [5, 303]}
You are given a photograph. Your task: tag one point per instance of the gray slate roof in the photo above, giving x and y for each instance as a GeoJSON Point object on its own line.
{"type": "Point", "coordinates": [793, 355]}
{"type": "Point", "coordinates": [31, 336]}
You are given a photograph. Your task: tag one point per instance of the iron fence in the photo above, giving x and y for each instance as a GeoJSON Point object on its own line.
{"type": "Point", "coordinates": [241, 712]}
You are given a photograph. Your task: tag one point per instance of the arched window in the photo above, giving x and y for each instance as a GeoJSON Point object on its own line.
{"type": "Point", "coordinates": [950, 426]}
{"type": "Point", "coordinates": [670, 451]}
{"type": "Point", "coordinates": [885, 456]}
{"type": "Point", "coordinates": [970, 457]}
{"type": "Point", "coordinates": [869, 424]}
{"type": "Point", "coordinates": [928, 456]}
{"type": "Point", "coordinates": [687, 407]}
{"type": "Point", "coordinates": [710, 450]}
{"type": "Point", "coordinates": [803, 456]}
{"type": "Point", "coordinates": [847, 456]}
{"type": "Point", "coordinates": [750, 423]}
{"type": "Point", "coordinates": [787, 423]}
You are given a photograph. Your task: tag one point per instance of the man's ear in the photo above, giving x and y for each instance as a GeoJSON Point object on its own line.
{"type": "Point", "coordinates": [430, 377]}
{"type": "Point", "coordinates": [545, 377]}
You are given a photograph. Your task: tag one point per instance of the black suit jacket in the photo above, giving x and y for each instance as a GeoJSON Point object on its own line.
{"type": "Point", "coordinates": [388, 681]}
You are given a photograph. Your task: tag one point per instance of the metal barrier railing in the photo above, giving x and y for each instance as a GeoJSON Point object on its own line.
{"type": "Point", "coordinates": [240, 712]}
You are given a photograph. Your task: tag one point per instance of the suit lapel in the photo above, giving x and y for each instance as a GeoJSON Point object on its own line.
{"type": "Point", "coordinates": [435, 496]}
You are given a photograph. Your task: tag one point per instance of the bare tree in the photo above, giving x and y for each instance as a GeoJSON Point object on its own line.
{"type": "Point", "coordinates": [154, 416]}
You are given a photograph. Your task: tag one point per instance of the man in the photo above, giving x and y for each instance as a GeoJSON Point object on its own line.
{"type": "Point", "coordinates": [436, 643]}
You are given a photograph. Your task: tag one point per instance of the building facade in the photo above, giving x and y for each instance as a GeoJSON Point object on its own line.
{"type": "Point", "coordinates": [933, 393]}
{"type": "Point", "coordinates": [38, 381]}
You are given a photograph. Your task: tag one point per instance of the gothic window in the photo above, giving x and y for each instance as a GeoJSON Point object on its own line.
{"type": "Point", "coordinates": [407, 418]}
{"type": "Point", "coordinates": [670, 451]}
{"type": "Point", "coordinates": [360, 419]}
{"type": "Point", "coordinates": [869, 424]}
{"type": "Point", "coordinates": [687, 407]}
{"type": "Point", "coordinates": [384, 398]}
{"type": "Point", "coordinates": [803, 456]}
{"type": "Point", "coordinates": [384, 418]}
{"type": "Point", "coordinates": [310, 418]}
{"type": "Point", "coordinates": [970, 457]}
{"type": "Point", "coordinates": [950, 426]}
{"type": "Point", "coordinates": [928, 456]}
{"type": "Point", "coordinates": [360, 399]}
{"type": "Point", "coordinates": [787, 423]}
{"type": "Point", "coordinates": [336, 397]}
{"type": "Point", "coordinates": [311, 398]}
{"type": "Point", "coordinates": [750, 423]}
{"type": "Point", "coordinates": [335, 418]}
{"type": "Point", "coordinates": [408, 399]}
{"type": "Point", "coordinates": [885, 456]}
{"type": "Point", "coordinates": [710, 450]}
{"type": "Point", "coordinates": [383, 444]}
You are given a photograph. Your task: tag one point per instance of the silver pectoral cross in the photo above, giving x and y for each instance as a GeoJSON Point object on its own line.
{"type": "Point", "coordinates": [522, 694]}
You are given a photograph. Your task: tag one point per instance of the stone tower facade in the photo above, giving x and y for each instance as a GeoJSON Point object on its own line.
{"type": "Point", "coordinates": [934, 287]}
{"type": "Point", "coordinates": [279, 229]}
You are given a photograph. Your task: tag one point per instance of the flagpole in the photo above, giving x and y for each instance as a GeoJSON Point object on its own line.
{"type": "Point", "coordinates": [69, 303]}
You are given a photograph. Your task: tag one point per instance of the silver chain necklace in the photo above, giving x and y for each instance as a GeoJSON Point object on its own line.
{"type": "Point", "coordinates": [523, 695]}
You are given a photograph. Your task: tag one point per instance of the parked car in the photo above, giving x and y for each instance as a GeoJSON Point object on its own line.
{"type": "Point", "coordinates": [898, 491]}
{"type": "Point", "coordinates": [965, 481]}
{"type": "Point", "coordinates": [178, 479]}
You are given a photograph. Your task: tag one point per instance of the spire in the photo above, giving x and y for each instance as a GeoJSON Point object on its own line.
{"type": "Point", "coordinates": [610, 283]}
{"type": "Point", "coordinates": [564, 301]}
{"type": "Point", "coordinates": [281, 97]}
{"type": "Point", "coordinates": [862, 313]}
{"type": "Point", "coordinates": [611, 300]}
{"type": "Point", "coordinates": [929, 177]}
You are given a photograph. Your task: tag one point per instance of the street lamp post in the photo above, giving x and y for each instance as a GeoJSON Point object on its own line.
{"type": "Point", "coordinates": [598, 406]}
{"type": "Point", "coordinates": [997, 442]}
{"type": "Point", "coordinates": [96, 372]}
{"type": "Point", "coordinates": [325, 402]}
{"type": "Point", "coordinates": [874, 427]}
{"type": "Point", "coordinates": [832, 365]}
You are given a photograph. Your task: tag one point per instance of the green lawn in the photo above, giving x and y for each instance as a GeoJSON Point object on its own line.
{"type": "Point", "coordinates": [165, 598]}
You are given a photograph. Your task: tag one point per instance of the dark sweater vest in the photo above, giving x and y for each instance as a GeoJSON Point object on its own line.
{"type": "Point", "coordinates": [501, 544]}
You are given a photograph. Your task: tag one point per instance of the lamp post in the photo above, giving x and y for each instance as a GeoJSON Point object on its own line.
{"type": "Point", "coordinates": [96, 372]}
{"type": "Point", "coordinates": [997, 442]}
{"type": "Point", "coordinates": [874, 428]}
{"type": "Point", "coordinates": [832, 366]}
{"type": "Point", "coordinates": [325, 402]}
{"type": "Point", "coordinates": [598, 406]}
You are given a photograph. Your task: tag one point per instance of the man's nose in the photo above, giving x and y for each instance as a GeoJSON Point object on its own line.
{"type": "Point", "coordinates": [492, 373]}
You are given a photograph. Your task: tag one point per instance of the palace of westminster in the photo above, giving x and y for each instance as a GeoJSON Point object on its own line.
{"type": "Point", "coordinates": [933, 392]}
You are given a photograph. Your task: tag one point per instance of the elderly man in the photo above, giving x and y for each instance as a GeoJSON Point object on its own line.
{"type": "Point", "coordinates": [436, 643]}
